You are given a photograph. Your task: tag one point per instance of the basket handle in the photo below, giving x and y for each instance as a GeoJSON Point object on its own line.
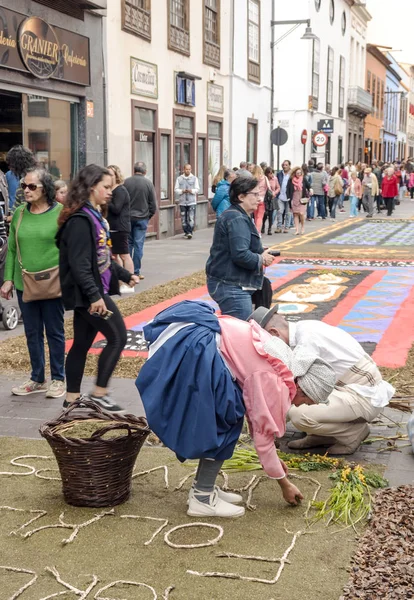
{"type": "Point", "coordinates": [100, 432]}
{"type": "Point", "coordinates": [82, 403]}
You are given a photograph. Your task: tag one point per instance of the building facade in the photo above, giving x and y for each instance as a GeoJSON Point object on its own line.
{"type": "Point", "coordinates": [250, 82]}
{"type": "Point", "coordinates": [168, 65]}
{"type": "Point", "coordinates": [408, 79]}
{"type": "Point", "coordinates": [311, 79]}
{"type": "Point", "coordinates": [391, 109]}
{"type": "Point", "coordinates": [376, 70]}
{"type": "Point", "coordinates": [359, 100]}
{"type": "Point", "coordinates": [51, 87]}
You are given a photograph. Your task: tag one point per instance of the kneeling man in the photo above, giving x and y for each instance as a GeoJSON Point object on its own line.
{"type": "Point", "coordinates": [360, 393]}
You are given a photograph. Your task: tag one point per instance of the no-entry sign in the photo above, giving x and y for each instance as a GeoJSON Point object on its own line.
{"type": "Point", "coordinates": [304, 136]}
{"type": "Point", "coordinates": [320, 139]}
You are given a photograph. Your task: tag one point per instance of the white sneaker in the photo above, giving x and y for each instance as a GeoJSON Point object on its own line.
{"type": "Point", "coordinates": [56, 389]}
{"type": "Point", "coordinates": [226, 496]}
{"type": "Point", "coordinates": [29, 387]}
{"type": "Point", "coordinates": [216, 507]}
{"type": "Point", "coordinates": [125, 289]}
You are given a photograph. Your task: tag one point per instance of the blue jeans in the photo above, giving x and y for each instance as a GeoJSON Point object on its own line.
{"type": "Point", "coordinates": [320, 205]}
{"type": "Point", "coordinates": [283, 214]}
{"type": "Point", "coordinates": [136, 242]}
{"type": "Point", "coordinates": [310, 209]}
{"type": "Point", "coordinates": [231, 299]}
{"type": "Point", "coordinates": [188, 218]}
{"type": "Point", "coordinates": [38, 316]}
{"type": "Point", "coordinates": [333, 202]}
{"type": "Point", "coordinates": [354, 206]}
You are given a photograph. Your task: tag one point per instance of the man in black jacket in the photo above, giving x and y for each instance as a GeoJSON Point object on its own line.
{"type": "Point", "coordinates": [143, 208]}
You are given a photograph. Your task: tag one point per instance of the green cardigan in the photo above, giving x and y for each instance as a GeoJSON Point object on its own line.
{"type": "Point", "coordinates": [37, 243]}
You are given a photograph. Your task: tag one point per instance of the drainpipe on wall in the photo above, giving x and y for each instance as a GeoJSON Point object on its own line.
{"type": "Point", "coordinates": [104, 102]}
{"type": "Point", "coordinates": [272, 74]}
{"type": "Point", "coordinates": [231, 65]}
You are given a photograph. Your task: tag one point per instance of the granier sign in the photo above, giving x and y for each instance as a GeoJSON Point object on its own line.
{"type": "Point", "coordinates": [39, 47]}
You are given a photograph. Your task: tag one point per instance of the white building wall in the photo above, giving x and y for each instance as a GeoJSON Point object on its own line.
{"type": "Point", "coordinates": [250, 100]}
{"type": "Point", "coordinates": [358, 51]}
{"type": "Point", "coordinates": [121, 46]}
{"type": "Point", "coordinates": [293, 76]}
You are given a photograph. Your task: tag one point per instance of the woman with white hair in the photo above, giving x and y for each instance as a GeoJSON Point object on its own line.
{"type": "Point", "coordinates": [203, 374]}
{"type": "Point", "coordinates": [389, 189]}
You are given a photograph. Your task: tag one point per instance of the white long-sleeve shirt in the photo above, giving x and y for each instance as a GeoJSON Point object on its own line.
{"type": "Point", "coordinates": [339, 349]}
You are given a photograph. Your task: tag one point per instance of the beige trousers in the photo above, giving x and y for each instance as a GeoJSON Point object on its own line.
{"type": "Point", "coordinates": [343, 418]}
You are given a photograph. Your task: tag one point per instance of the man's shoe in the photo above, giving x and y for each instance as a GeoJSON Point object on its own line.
{"type": "Point", "coordinates": [105, 403]}
{"type": "Point", "coordinates": [189, 236]}
{"type": "Point", "coordinates": [226, 496]}
{"type": "Point", "coordinates": [351, 447]}
{"type": "Point", "coordinates": [311, 441]}
{"type": "Point", "coordinates": [29, 387]}
{"type": "Point", "coordinates": [278, 230]}
{"type": "Point", "coordinates": [216, 507]}
{"type": "Point", "coordinates": [141, 276]}
{"type": "Point", "coordinates": [56, 389]}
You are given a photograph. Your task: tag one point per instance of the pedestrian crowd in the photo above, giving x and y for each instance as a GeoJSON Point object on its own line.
{"type": "Point", "coordinates": [71, 246]}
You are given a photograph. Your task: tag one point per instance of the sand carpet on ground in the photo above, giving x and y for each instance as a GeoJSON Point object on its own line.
{"type": "Point", "coordinates": [113, 548]}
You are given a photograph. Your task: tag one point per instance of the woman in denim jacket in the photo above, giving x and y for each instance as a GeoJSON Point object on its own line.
{"type": "Point", "coordinates": [235, 266]}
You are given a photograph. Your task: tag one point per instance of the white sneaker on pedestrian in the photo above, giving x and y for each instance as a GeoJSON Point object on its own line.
{"type": "Point", "coordinates": [56, 389]}
{"type": "Point", "coordinates": [216, 507]}
{"type": "Point", "coordinates": [29, 387]}
{"type": "Point", "coordinates": [226, 496]}
{"type": "Point", "coordinates": [125, 289]}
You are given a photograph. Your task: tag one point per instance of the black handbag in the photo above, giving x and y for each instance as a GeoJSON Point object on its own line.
{"type": "Point", "coordinates": [263, 297]}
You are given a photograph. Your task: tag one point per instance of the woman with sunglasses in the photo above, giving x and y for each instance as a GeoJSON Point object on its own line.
{"type": "Point", "coordinates": [235, 266]}
{"type": "Point", "coordinates": [35, 222]}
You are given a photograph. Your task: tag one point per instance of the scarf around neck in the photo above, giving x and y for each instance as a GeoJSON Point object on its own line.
{"type": "Point", "coordinates": [297, 183]}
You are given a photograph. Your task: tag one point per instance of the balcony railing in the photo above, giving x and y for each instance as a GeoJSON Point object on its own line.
{"type": "Point", "coordinates": [136, 20]}
{"type": "Point", "coordinates": [179, 40]}
{"type": "Point", "coordinates": [359, 101]}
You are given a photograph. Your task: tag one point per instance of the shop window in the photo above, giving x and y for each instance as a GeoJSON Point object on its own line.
{"type": "Point", "coordinates": [165, 167]}
{"type": "Point", "coordinates": [144, 135]}
{"type": "Point", "coordinates": [340, 150]}
{"type": "Point", "coordinates": [329, 81]}
{"type": "Point", "coordinates": [37, 106]}
{"type": "Point", "coordinates": [315, 72]}
{"type": "Point", "coordinates": [212, 32]}
{"type": "Point", "coordinates": [254, 41]}
{"type": "Point", "coordinates": [136, 17]}
{"type": "Point", "coordinates": [215, 150]}
{"type": "Point", "coordinates": [201, 162]}
{"type": "Point", "coordinates": [50, 130]}
{"type": "Point", "coordinates": [183, 125]}
{"type": "Point", "coordinates": [251, 149]}
{"type": "Point", "coordinates": [179, 26]}
{"type": "Point", "coordinates": [341, 86]}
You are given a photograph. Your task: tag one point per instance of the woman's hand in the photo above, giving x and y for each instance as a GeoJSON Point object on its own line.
{"type": "Point", "coordinates": [133, 281]}
{"type": "Point", "coordinates": [6, 290]}
{"type": "Point", "coordinates": [267, 258]}
{"type": "Point", "coordinates": [290, 492]}
{"type": "Point", "coordinates": [98, 307]}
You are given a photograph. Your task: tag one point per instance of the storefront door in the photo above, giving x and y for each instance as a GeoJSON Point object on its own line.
{"type": "Point", "coordinates": [182, 155]}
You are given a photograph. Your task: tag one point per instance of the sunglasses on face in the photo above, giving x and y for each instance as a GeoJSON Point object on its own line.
{"type": "Point", "coordinates": [32, 186]}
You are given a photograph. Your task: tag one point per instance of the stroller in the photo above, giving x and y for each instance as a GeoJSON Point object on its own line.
{"type": "Point", "coordinates": [9, 313]}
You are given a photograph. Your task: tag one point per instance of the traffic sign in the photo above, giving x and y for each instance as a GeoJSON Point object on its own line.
{"type": "Point", "coordinates": [320, 139]}
{"type": "Point", "coordinates": [279, 136]}
{"type": "Point", "coordinates": [326, 125]}
{"type": "Point", "coordinates": [304, 137]}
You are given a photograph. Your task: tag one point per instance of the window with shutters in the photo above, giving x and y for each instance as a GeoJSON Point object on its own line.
{"type": "Point", "coordinates": [179, 26]}
{"type": "Point", "coordinates": [316, 61]}
{"type": "Point", "coordinates": [373, 90]}
{"type": "Point", "coordinates": [369, 81]}
{"type": "Point", "coordinates": [211, 54]}
{"type": "Point", "coordinates": [253, 67]}
{"type": "Point", "coordinates": [136, 17]}
{"type": "Point", "coordinates": [341, 87]}
{"type": "Point", "coordinates": [329, 81]}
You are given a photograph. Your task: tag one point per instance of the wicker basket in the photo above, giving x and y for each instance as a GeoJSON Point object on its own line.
{"type": "Point", "coordinates": [95, 471]}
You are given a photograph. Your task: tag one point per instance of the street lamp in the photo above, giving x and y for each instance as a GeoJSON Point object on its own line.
{"type": "Point", "coordinates": [308, 35]}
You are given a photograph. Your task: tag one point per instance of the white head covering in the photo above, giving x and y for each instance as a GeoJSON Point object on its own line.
{"type": "Point", "coordinates": [314, 376]}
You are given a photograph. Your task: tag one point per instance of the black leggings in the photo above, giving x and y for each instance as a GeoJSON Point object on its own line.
{"type": "Point", "coordinates": [85, 328]}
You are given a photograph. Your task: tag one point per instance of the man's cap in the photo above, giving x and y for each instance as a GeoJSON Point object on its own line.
{"type": "Point", "coordinates": [263, 315]}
